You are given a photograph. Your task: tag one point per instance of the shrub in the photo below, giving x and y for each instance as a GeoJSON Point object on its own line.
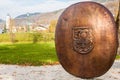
{"type": "Point", "coordinates": [28, 37]}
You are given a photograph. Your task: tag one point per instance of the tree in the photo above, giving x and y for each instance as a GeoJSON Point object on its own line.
{"type": "Point", "coordinates": [52, 26]}
{"type": "Point", "coordinates": [4, 30]}
{"type": "Point", "coordinates": [118, 26]}
{"type": "Point", "coordinates": [12, 35]}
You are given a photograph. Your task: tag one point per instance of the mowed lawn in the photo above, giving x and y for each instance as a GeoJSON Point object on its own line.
{"type": "Point", "coordinates": [42, 53]}
{"type": "Point", "coordinates": [118, 57]}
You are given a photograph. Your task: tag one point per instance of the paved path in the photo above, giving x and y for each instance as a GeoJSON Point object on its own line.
{"type": "Point", "coordinates": [56, 72]}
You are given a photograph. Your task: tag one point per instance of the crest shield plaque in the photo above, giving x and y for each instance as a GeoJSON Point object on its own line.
{"type": "Point", "coordinates": [86, 39]}
{"type": "Point", "coordinates": [82, 40]}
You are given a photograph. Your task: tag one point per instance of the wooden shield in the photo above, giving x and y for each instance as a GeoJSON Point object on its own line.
{"type": "Point", "coordinates": [86, 39]}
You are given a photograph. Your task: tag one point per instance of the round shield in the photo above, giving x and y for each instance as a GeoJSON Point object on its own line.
{"type": "Point", "coordinates": [86, 39]}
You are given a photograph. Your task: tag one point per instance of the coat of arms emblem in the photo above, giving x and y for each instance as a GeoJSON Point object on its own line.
{"type": "Point", "coordinates": [82, 39]}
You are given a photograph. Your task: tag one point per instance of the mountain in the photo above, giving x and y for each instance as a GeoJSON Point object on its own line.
{"type": "Point", "coordinates": [1, 20]}
{"type": "Point", "coordinates": [37, 18]}
{"type": "Point", "coordinates": [45, 18]}
{"type": "Point", "coordinates": [27, 15]}
{"type": "Point", "coordinates": [2, 23]}
{"type": "Point", "coordinates": [102, 1]}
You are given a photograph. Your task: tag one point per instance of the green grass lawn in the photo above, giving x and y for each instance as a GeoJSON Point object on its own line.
{"type": "Point", "coordinates": [42, 53]}
{"type": "Point", "coordinates": [118, 57]}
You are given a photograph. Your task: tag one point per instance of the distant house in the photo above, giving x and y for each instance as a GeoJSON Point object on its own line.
{"type": "Point", "coordinates": [40, 28]}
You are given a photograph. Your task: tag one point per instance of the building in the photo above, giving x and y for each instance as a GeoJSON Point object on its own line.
{"type": "Point", "coordinates": [8, 20]}
{"type": "Point", "coordinates": [10, 24]}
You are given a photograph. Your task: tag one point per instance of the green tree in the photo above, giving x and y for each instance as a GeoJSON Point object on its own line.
{"type": "Point", "coordinates": [4, 30]}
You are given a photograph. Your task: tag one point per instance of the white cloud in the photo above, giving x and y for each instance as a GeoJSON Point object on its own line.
{"type": "Point", "coordinates": [15, 8]}
{"type": "Point", "coordinates": [5, 2]}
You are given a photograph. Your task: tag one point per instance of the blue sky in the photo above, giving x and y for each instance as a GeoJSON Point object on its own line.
{"type": "Point", "coordinates": [18, 7]}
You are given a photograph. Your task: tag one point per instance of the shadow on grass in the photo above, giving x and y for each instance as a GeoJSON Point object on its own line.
{"type": "Point", "coordinates": [42, 53]}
